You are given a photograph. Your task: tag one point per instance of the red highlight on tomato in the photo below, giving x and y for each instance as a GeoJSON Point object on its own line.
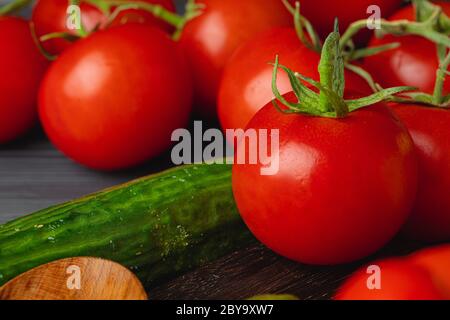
{"type": "Point", "coordinates": [113, 100]}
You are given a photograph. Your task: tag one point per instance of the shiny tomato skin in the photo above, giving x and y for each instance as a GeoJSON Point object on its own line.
{"type": "Point", "coordinates": [211, 39]}
{"type": "Point", "coordinates": [50, 16]}
{"type": "Point", "coordinates": [246, 84]}
{"type": "Point", "coordinates": [436, 260]}
{"type": "Point", "coordinates": [400, 280]}
{"type": "Point", "coordinates": [414, 63]}
{"type": "Point", "coordinates": [429, 128]}
{"type": "Point", "coordinates": [22, 68]}
{"type": "Point", "coordinates": [112, 100]}
{"type": "Point", "coordinates": [323, 13]}
{"type": "Point", "coordinates": [344, 186]}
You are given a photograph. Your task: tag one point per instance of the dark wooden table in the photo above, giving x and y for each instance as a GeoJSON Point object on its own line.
{"type": "Point", "coordinates": [33, 175]}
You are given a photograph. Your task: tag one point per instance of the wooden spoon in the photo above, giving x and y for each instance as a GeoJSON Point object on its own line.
{"type": "Point", "coordinates": [75, 279]}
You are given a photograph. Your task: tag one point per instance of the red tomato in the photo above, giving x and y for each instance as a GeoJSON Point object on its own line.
{"type": "Point", "coordinates": [22, 68]}
{"type": "Point", "coordinates": [112, 100]}
{"type": "Point", "coordinates": [211, 39]}
{"type": "Point", "coordinates": [437, 261]}
{"type": "Point", "coordinates": [414, 63]}
{"type": "Point", "coordinates": [247, 80]}
{"type": "Point", "coordinates": [322, 14]}
{"type": "Point", "coordinates": [344, 186]}
{"type": "Point", "coordinates": [51, 16]}
{"type": "Point", "coordinates": [429, 128]}
{"type": "Point", "coordinates": [399, 280]}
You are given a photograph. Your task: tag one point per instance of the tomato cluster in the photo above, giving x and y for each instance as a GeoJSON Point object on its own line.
{"type": "Point", "coordinates": [420, 276]}
{"type": "Point", "coordinates": [109, 96]}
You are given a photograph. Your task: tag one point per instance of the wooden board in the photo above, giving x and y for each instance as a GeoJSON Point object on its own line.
{"type": "Point", "coordinates": [33, 175]}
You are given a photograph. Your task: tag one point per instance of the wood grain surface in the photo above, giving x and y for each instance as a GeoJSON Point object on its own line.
{"type": "Point", "coordinates": [33, 175]}
{"type": "Point", "coordinates": [78, 278]}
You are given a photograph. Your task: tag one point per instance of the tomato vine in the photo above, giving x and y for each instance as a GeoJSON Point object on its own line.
{"type": "Point", "coordinates": [329, 102]}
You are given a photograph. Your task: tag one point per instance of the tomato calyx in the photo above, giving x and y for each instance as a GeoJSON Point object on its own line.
{"type": "Point", "coordinates": [433, 24]}
{"type": "Point", "coordinates": [436, 27]}
{"type": "Point", "coordinates": [425, 9]}
{"type": "Point", "coordinates": [13, 6]}
{"type": "Point", "coordinates": [310, 38]}
{"type": "Point", "coordinates": [329, 102]}
{"type": "Point", "coordinates": [111, 9]}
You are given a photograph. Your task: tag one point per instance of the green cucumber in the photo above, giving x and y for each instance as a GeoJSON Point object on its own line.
{"type": "Point", "coordinates": [158, 226]}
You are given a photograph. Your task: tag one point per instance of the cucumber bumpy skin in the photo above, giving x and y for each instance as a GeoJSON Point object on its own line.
{"type": "Point", "coordinates": [158, 226]}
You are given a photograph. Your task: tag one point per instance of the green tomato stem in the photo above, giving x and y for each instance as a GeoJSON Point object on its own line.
{"type": "Point", "coordinates": [424, 9]}
{"type": "Point", "coordinates": [173, 19]}
{"type": "Point", "coordinates": [331, 70]}
{"type": "Point", "coordinates": [438, 97]}
{"type": "Point", "coordinates": [301, 24]}
{"type": "Point", "coordinates": [81, 32]}
{"type": "Point", "coordinates": [426, 29]}
{"type": "Point", "coordinates": [37, 41]}
{"type": "Point", "coordinates": [157, 10]}
{"type": "Point", "coordinates": [370, 51]}
{"type": "Point", "coordinates": [59, 35]}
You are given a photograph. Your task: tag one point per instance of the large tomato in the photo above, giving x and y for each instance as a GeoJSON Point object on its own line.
{"type": "Point", "coordinates": [437, 261]}
{"type": "Point", "coordinates": [113, 99]}
{"type": "Point", "coordinates": [50, 16]}
{"type": "Point", "coordinates": [343, 189]}
{"type": "Point", "coordinates": [246, 83]}
{"type": "Point", "coordinates": [399, 280]}
{"type": "Point", "coordinates": [211, 39]}
{"type": "Point", "coordinates": [22, 68]}
{"type": "Point", "coordinates": [429, 128]}
{"type": "Point", "coordinates": [322, 13]}
{"type": "Point", "coordinates": [414, 63]}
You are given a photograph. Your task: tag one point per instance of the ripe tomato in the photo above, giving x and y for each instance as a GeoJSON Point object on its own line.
{"type": "Point", "coordinates": [246, 82]}
{"type": "Point", "coordinates": [22, 68]}
{"type": "Point", "coordinates": [51, 16]}
{"type": "Point", "coordinates": [414, 63]}
{"type": "Point", "coordinates": [399, 280]}
{"type": "Point", "coordinates": [323, 13]}
{"type": "Point", "coordinates": [437, 261]}
{"type": "Point", "coordinates": [429, 128]}
{"type": "Point", "coordinates": [112, 100]}
{"type": "Point", "coordinates": [344, 186]}
{"type": "Point", "coordinates": [211, 39]}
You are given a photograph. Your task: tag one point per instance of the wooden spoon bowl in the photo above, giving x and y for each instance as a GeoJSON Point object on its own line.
{"type": "Point", "coordinates": [79, 278]}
